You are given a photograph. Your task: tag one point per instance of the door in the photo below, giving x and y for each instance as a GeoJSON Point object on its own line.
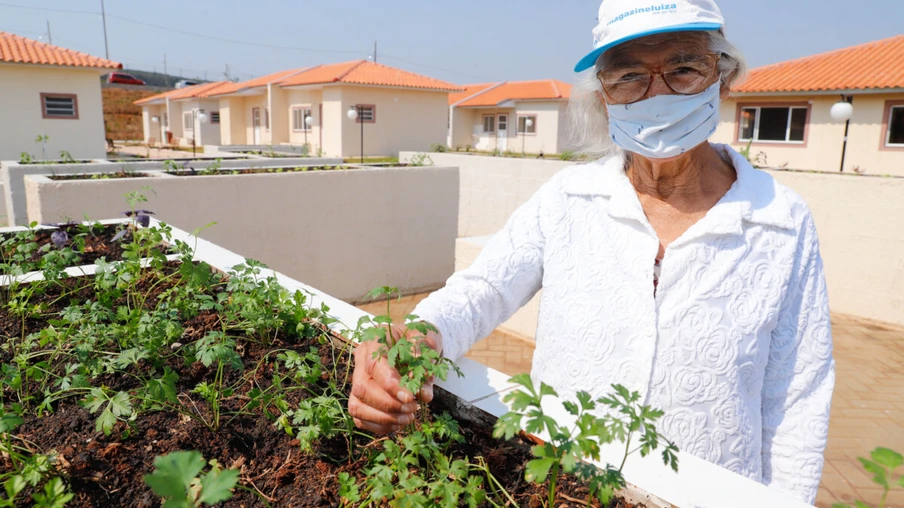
{"type": "Point", "coordinates": [502, 133]}
{"type": "Point", "coordinates": [256, 124]}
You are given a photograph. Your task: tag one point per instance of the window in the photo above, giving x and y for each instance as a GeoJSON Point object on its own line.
{"type": "Point", "coordinates": [187, 121]}
{"type": "Point", "coordinates": [489, 123]}
{"type": "Point", "coordinates": [298, 116]}
{"type": "Point", "coordinates": [267, 118]}
{"type": "Point", "coordinates": [367, 113]}
{"type": "Point", "coordinates": [894, 135]}
{"type": "Point", "coordinates": [523, 128]}
{"type": "Point", "coordinates": [63, 106]}
{"type": "Point", "coordinates": [776, 124]}
{"type": "Point", "coordinates": [214, 117]}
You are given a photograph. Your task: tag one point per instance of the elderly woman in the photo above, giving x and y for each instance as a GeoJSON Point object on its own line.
{"type": "Point", "coordinates": [670, 265]}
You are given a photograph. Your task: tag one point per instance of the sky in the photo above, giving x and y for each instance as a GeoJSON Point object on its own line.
{"type": "Point", "coordinates": [463, 41]}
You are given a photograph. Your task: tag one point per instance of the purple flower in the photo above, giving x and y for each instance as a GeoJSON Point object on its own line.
{"type": "Point", "coordinates": [143, 220]}
{"type": "Point", "coordinates": [59, 239]}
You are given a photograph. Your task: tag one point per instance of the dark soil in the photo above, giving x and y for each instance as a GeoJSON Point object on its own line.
{"type": "Point", "coordinates": [272, 154]}
{"type": "Point", "coordinates": [250, 171]}
{"type": "Point", "coordinates": [98, 243]}
{"type": "Point", "coordinates": [51, 162]}
{"type": "Point", "coordinates": [108, 470]}
{"type": "Point", "coordinates": [99, 176]}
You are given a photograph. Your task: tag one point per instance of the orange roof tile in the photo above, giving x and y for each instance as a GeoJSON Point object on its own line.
{"type": "Point", "coordinates": [469, 91]}
{"type": "Point", "coordinates": [202, 91]}
{"type": "Point", "coordinates": [362, 72]}
{"type": "Point", "coordinates": [547, 89]}
{"type": "Point", "coordinates": [17, 49]}
{"type": "Point", "coordinates": [258, 82]}
{"type": "Point", "coordinates": [875, 65]}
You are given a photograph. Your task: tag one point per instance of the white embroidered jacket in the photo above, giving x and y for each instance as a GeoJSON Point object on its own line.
{"type": "Point", "coordinates": [735, 346]}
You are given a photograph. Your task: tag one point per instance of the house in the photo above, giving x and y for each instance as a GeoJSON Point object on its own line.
{"type": "Point", "coordinates": [783, 111]}
{"type": "Point", "coordinates": [54, 92]}
{"type": "Point", "coordinates": [175, 117]}
{"type": "Point", "coordinates": [518, 116]}
{"type": "Point", "coordinates": [396, 109]}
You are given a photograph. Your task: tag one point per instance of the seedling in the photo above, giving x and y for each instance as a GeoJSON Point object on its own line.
{"type": "Point", "coordinates": [416, 362]}
{"type": "Point", "coordinates": [567, 448]}
{"type": "Point", "coordinates": [178, 478]}
{"type": "Point", "coordinates": [883, 465]}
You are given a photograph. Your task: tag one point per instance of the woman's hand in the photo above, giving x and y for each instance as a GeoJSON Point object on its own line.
{"type": "Point", "coordinates": [378, 403]}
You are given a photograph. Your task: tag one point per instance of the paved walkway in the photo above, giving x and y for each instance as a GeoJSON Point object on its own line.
{"type": "Point", "coordinates": [867, 406]}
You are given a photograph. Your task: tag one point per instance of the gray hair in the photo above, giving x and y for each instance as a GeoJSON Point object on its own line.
{"type": "Point", "coordinates": [587, 123]}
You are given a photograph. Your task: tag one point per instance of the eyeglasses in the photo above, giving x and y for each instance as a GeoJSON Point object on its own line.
{"type": "Point", "coordinates": [688, 76]}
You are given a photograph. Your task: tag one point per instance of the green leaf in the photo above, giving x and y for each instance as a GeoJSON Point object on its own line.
{"type": "Point", "coordinates": [105, 421]}
{"type": "Point", "coordinates": [538, 469]}
{"type": "Point", "coordinates": [95, 400]}
{"type": "Point", "coordinates": [120, 404]}
{"type": "Point", "coordinates": [9, 423]}
{"type": "Point", "coordinates": [861, 504]}
{"type": "Point", "coordinates": [13, 486]}
{"type": "Point", "coordinates": [888, 458]}
{"type": "Point", "coordinates": [217, 485]}
{"type": "Point", "coordinates": [880, 476]}
{"type": "Point", "coordinates": [174, 473]}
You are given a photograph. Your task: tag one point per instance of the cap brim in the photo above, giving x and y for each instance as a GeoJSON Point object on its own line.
{"type": "Point", "coordinates": [590, 59]}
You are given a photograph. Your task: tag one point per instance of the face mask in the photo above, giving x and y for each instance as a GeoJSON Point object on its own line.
{"type": "Point", "coordinates": [666, 125]}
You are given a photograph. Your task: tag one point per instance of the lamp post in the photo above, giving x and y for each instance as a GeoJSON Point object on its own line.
{"type": "Point", "coordinates": [528, 123]}
{"type": "Point", "coordinates": [307, 125]}
{"type": "Point", "coordinates": [200, 118]}
{"type": "Point", "coordinates": [842, 111]}
{"type": "Point", "coordinates": [353, 113]}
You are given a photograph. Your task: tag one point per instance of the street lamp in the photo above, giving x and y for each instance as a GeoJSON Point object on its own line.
{"type": "Point", "coordinates": [353, 113]}
{"type": "Point", "coordinates": [528, 123]}
{"type": "Point", "coordinates": [201, 118]}
{"type": "Point", "coordinates": [843, 111]}
{"type": "Point", "coordinates": [307, 126]}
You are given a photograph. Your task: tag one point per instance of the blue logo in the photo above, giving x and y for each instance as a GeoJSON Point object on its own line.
{"type": "Point", "coordinates": [641, 10]}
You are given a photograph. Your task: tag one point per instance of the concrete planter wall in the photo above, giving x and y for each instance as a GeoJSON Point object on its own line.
{"type": "Point", "coordinates": [478, 396]}
{"type": "Point", "coordinates": [347, 231]}
{"type": "Point", "coordinates": [12, 174]}
{"type": "Point", "coordinates": [493, 187]}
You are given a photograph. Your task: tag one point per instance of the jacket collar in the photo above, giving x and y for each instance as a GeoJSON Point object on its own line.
{"type": "Point", "coordinates": [755, 197]}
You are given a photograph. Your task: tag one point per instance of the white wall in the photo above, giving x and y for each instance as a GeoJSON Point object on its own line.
{"type": "Point", "coordinates": [323, 227]}
{"type": "Point", "coordinates": [21, 118]}
{"type": "Point", "coordinates": [493, 187]}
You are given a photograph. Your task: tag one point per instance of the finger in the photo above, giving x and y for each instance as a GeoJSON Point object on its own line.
{"type": "Point", "coordinates": [389, 380]}
{"type": "Point", "coordinates": [376, 429]}
{"type": "Point", "coordinates": [426, 393]}
{"type": "Point", "coordinates": [366, 413]}
{"type": "Point", "coordinates": [371, 393]}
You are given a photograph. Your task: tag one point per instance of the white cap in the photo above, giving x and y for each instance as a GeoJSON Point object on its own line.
{"type": "Point", "coordinates": [624, 20]}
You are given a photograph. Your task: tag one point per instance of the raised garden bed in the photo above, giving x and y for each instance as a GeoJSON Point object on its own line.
{"type": "Point", "coordinates": [273, 154]}
{"type": "Point", "coordinates": [99, 176]}
{"type": "Point", "coordinates": [254, 171]}
{"type": "Point", "coordinates": [105, 373]}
